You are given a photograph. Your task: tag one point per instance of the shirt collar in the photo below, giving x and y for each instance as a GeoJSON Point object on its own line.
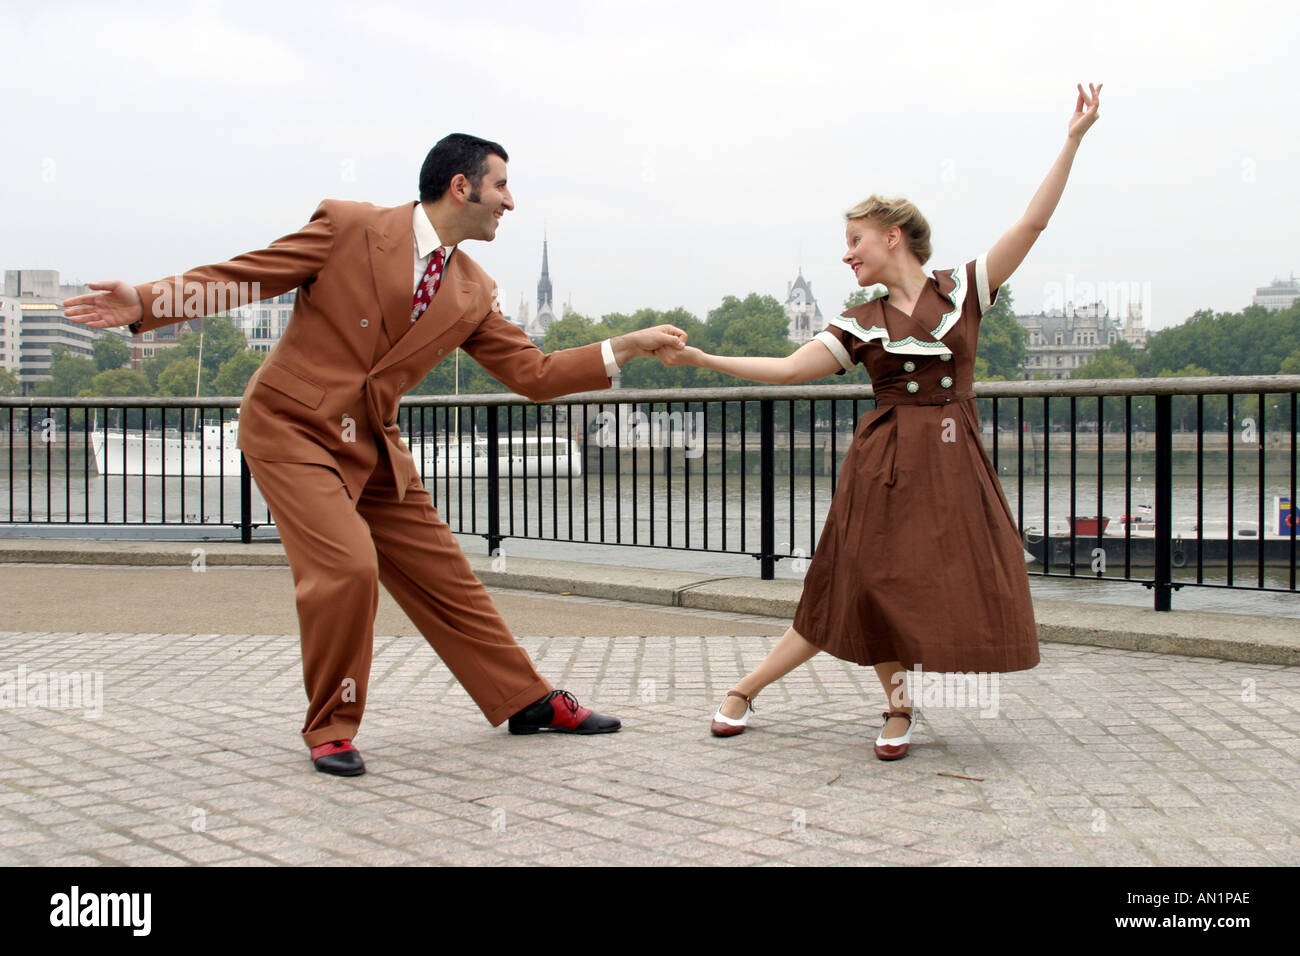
{"type": "Point", "coordinates": [426, 237]}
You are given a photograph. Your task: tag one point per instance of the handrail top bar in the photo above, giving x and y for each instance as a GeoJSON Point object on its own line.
{"type": "Point", "coordinates": [1202, 385]}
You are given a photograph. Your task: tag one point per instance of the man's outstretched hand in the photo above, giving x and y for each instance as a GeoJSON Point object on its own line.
{"type": "Point", "coordinates": [117, 304]}
{"type": "Point", "coordinates": [644, 343]}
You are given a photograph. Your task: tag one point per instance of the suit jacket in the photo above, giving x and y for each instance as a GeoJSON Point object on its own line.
{"type": "Point", "coordinates": [350, 350]}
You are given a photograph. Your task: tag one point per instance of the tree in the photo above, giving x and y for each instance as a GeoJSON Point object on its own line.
{"type": "Point", "coordinates": [222, 341]}
{"type": "Point", "coordinates": [9, 384]}
{"type": "Point", "coordinates": [1001, 341]}
{"type": "Point", "coordinates": [861, 296]}
{"type": "Point", "coordinates": [1290, 365]}
{"type": "Point", "coordinates": [571, 331]}
{"type": "Point", "coordinates": [116, 382]}
{"type": "Point", "coordinates": [178, 378]}
{"type": "Point", "coordinates": [1105, 364]}
{"type": "Point", "coordinates": [111, 351]}
{"type": "Point", "coordinates": [233, 376]}
{"type": "Point", "coordinates": [69, 373]}
{"type": "Point", "coordinates": [1214, 408]}
{"type": "Point", "coordinates": [156, 364]}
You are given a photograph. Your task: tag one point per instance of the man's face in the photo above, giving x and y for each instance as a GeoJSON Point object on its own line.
{"type": "Point", "coordinates": [488, 201]}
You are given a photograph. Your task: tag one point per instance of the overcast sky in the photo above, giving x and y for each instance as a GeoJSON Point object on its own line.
{"type": "Point", "coordinates": [676, 152]}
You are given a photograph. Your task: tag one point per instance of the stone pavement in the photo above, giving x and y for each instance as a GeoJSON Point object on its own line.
{"type": "Point", "coordinates": [1097, 756]}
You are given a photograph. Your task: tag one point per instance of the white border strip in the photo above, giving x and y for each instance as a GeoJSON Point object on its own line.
{"type": "Point", "coordinates": [838, 350]}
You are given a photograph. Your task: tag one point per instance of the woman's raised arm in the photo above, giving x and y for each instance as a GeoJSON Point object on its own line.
{"type": "Point", "coordinates": [1009, 251]}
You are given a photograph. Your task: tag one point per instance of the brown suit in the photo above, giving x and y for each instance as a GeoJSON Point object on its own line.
{"type": "Point", "coordinates": [354, 513]}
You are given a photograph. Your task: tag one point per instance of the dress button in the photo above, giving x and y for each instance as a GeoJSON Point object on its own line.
{"type": "Point", "coordinates": [913, 387]}
{"type": "Point", "coordinates": [945, 357]}
{"type": "Point", "coordinates": [365, 323]}
{"type": "Point", "coordinates": [946, 382]}
{"type": "Point", "coordinates": [439, 351]}
{"type": "Point", "coordinates": [909, 366]}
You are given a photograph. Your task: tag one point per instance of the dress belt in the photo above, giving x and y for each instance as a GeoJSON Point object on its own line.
{"type": "Point", "coordinates": [905, 399]}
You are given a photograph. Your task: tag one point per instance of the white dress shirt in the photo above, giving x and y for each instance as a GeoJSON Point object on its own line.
{"type": "Point", "coordinates": [426, 240]}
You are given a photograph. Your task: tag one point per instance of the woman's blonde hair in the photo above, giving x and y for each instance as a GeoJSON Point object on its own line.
{"type": "Point", "coordinates": [884, 213]}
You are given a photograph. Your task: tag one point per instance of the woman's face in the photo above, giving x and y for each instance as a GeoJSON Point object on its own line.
{"type": "Point", "coordinates": [869, 250]}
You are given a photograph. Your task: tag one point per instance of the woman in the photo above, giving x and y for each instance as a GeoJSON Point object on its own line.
{"type": "Point", "coordinates": [919, 562]}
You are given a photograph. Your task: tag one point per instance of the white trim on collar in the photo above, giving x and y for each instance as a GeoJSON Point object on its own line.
{"type": "Point", "coordinates": [912, 345]}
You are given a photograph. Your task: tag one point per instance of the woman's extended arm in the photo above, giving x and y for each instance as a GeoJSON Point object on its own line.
{"type": "Point", "coordinates": [809, 361]}
{"type": "Point", "coordinates": [1009, 251]}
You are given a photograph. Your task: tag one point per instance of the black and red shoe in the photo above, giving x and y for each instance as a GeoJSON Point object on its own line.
{"type": "Point", "coordinates": [560, 712]}
{"type": "Point", "coordinates": [338, 757]}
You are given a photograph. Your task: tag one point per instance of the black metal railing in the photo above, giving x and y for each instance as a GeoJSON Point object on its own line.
{"type": "Point", "coordinates": [1202, 472]}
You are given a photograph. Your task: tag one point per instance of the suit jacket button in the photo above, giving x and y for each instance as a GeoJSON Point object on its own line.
{"type": "Point", "coordinates": [365, 323]}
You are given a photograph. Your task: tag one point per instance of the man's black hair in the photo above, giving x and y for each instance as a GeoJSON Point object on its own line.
{"type": "Point", "coordinates": [457, 153]}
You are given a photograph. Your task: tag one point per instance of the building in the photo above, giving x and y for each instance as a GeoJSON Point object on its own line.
{"type": "Point", "coordinates": [1282, 294]}
{"type": "Point", "coordinates": [11, 316]}
{"type": "Point", "coordinates": [535, 327]}
{"type": "Point", "coordinates": [1060, 340]}
{"type": "Point", "coordinates": [42, 326]}
{"type": "Point", "coordinates": [802, 311]}
{"type": "Point", "coordinates": [148, 344]}
{"type": "Point", "coordinates": [264, 322]}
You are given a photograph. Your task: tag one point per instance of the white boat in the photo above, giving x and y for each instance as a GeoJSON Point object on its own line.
{"type": "Point", "coordinates": [524, 457]}
{"type": "Point", "coordinates": [155, 453]}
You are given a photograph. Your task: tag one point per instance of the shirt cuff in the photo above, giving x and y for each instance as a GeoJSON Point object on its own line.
{"type": "Point", "coordinates": [607, 352]}
{"type": "Point", "coordinates": [828, 339]}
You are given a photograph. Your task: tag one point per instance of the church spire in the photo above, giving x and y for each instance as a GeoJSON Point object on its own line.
{"type": "Point", "coordinates": [544, 283]}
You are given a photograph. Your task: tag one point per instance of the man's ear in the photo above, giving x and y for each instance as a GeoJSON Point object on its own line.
{"type": "Point", "coordinates": [459, 187]}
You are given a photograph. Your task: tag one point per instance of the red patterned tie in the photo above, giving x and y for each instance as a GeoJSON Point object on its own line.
{"type": "Point", "coordinates": [424, 292]}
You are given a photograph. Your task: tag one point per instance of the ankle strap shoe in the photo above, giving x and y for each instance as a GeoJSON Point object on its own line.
{"type": "Point", "coordinates": [724, 726]}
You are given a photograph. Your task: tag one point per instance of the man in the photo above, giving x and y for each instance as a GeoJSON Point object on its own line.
{"type": "Point", "coordinates": [383, 296]}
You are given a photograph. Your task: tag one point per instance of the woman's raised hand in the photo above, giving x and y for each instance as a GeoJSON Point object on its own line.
{"type": "Point", "coordinates": [1085, 110]}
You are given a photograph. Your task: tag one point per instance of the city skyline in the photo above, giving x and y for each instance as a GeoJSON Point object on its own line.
{"type": "Point", "coordinates": [695, 169]}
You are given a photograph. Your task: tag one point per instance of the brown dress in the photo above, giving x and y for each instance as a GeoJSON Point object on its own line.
{"type": "Point", "coordinates": [919, 560]}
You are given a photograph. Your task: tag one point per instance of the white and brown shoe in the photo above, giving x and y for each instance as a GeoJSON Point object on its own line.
{"type": "Point", "coordinates": [724, 726]}
{"type": "Point", "coordinates": [893, 748]}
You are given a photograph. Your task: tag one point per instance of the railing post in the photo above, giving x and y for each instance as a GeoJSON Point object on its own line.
{"type": "Point", "coordinates": [766, 492]}
{"type": "Point", "coordinates": [1164, 501]}
{"type": "Point", "coordinates": [494, 479]}
{"type": "Point", "coordinates": [245, 501]}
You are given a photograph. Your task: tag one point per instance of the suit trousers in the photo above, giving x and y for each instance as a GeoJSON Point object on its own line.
{"type": "Point", "coordinates": [340, 550]}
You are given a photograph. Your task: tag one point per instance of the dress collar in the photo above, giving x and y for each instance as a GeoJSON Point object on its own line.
{"type": "Point", "coordinates": [870, 321]}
